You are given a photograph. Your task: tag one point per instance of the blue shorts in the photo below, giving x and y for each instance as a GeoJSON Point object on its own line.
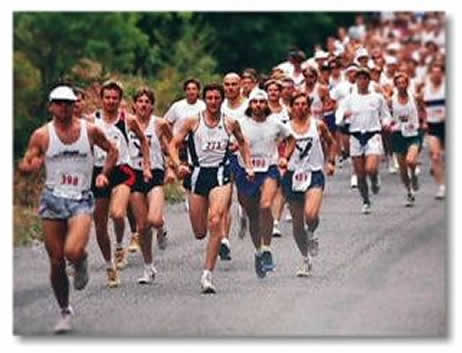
{"type": "Point", "coordinates": [55, 207]}
{"type": "Point", "coordinates": [252, 188]}
{"type": "Point", "coordinates": [203, 179]}
{"type": "Point", "coordinates": [329, 120]}
{"type": "Point", "coordinates": [318, 180]}
{"type": "Point", "coordinates": [156, 180]}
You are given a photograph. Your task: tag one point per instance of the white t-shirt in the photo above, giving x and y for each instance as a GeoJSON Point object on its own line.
{"type": "Point", "coordinates": [181, 110]}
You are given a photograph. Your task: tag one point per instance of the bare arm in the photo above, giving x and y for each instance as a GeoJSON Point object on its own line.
{"type": "Point", "coordinates": [243, 144]}
{"type": "Point", "coordinates": [35, 154]}
{"type": "Point", "coordinates": [99, 139]}
{"type": "Point", "coordinates": [177, 141]}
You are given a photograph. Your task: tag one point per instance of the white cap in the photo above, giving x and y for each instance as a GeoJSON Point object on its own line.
{"type": "Point", "coordinates": [320, 54]}
{"type": "Point", "coordinates": [63, 93]}
{"type": "Point", "coordinates": [258, 94]}
{"type": "Point", "coordinates": [361, 52]}
{"type": "Point", "coordinates": [391, 60]}
{"type": "Point", "coordinates": [352, 67]}
{"type": "Point", "coordinates": [394, 46]}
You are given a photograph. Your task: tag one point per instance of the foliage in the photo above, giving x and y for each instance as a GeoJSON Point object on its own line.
{"type": "Point", "coordinates": [27, 226]}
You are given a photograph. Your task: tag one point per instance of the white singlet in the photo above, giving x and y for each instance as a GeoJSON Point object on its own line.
{"type": "Point", "coordinates": [181, 110]}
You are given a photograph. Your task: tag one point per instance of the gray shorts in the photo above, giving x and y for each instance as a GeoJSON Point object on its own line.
{"type": "Point", "coordinates": [54, 207]}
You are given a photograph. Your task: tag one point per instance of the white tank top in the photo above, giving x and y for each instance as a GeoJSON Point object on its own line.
{"type": "Point", "coordinates": [283, 115]}
{"type": "Point", "coordinates": [69, 167]}
{"type": "Point", "coordinates": [116, 133]}
{"type": "Point", "coordinates": [208, 147]}
{"type": "Point", "coordinates": [435, 102]}
{"type": "Point", "coordinates": [308, 154]}
{"type": "Point", "coordinates": [236, 113]}
{"type": "Point", "coordinates": [134, 147]}
{"type": "Point", "coordinates": [405, 116]}
{"type": "Point", "coordinates": [263, 138]}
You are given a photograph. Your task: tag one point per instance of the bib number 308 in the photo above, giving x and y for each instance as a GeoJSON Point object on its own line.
{"type": "Point", "coordinates": [68, 179]}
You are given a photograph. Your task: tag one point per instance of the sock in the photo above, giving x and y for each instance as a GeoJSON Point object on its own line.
{"type": "Point", "coordinates": [109, 264]}
{"type": "Point", "coordinates": [225, 241]}
{"type": "Point", "coordinates": [265, 248]}
{"type": "Point", "coordinates": [275, 223]}
{"type": "Point", "coordinates": [119, 246]}
{"type": "Point", "coordinates": [147, 267]}
{"type": "Point", "coordinates": [206, 273]}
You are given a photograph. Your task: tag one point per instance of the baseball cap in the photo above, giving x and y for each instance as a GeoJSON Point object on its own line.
{"type": "Point", "coordinates": [62, 93]}
{"type": "Point", "coordinates": [258, 94]}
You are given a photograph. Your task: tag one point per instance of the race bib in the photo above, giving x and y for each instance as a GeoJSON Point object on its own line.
{"type": "Point", "coordinates": [408, 129]}
{"type": "Point", "coordinates": [301, 180]}
{"type": "Point", "coordinates": [260, 163]}
{"type": "Point", "coordinates": [214, 145]}
{"type": "Point", "coordinates": [69, 185]}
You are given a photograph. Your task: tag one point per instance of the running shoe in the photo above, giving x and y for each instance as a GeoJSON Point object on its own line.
{"type": "Point", "coordinates": [81, 274]}
{"type": "Point", "coordinates": [366, 208]}
{"type": "Point", "coordinates": [415, 182]}
{"type": "Point", "coordinates": [225, 251]}
{"type": "Point", "coordinates": [207, 286]}
{"type": "Point", "coordinates": [148, 276]}
{"type": "Point", "coordinates": [276, 230]}
{"type": "Point", "coordinates": [267, 260]}
{"type": "Point", "coordinates": [64, 323]}
{"type": "Point", "coordinates": [134, 245]}
{"type": "Point", "coordinates": [113, 277]}
{"type": "Point", "coordinates": [259, 266]}
{"type": "Point", "coordinates": [410, 199]}
{"type": "Point", "coordinates": [120, 258]}
{"type": "Point", "coordinates": [162, 239]}
{"type": "Point", "coordinates": [441, 194]}
{"type": "Point", "coordinates": [313, 244]}
{"type": "Point", "coordinates": [305, 269]}
{"type": "Point", "coordinates": [354, 181]}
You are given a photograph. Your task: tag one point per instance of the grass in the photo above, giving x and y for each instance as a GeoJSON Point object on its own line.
{"type": "Point", "coordinates": [27, 226]}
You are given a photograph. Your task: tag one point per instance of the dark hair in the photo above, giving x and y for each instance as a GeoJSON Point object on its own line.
{"type": "Point", "coordinates": [248, 111]}
{"type": "Point", "coordinates": [309, 100]}
{"type": "Point", "coordinates": [250, 73]}
{"type": "Point", "coordinates": [213, 87]}
{"type": "Point", "coordinates": [147, 92]}
{"type": "Point", "coordinates": [78, 90]}
{"type": "Point", "coordinates": [112, 84]}
{"type": "Point", "coordinates": [192, 80]}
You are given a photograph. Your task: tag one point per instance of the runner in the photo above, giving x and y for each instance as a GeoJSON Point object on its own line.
{"type": "Point", "coordinates": [79, 105]}
{"type": "Point", "coordinates": [303, 183]}
{"type": "Point", "coordinates": [405, 140]}
{"type": "Point", "coordinates": [65, 146]}
{"type": "Point", "coordinates": [434, 96]}
{"type": "Point", "coordinates": [113, 199]}
{"type": "Point", "coordinates": [208, 175]}
{"type": "Point", "coordinates": [234, 106]}
{"type": "Point", "coordinates": [366, 110]}
{"type": "Point", "coordinates": [264, 133]}
{"type": "Point", "coordinates": [147, 197]}
{"type": "Point", "coordinates": [182, 109]}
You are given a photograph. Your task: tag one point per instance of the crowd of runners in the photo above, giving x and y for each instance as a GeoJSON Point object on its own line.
{"type": "Point", "coordinates": [373, 94]}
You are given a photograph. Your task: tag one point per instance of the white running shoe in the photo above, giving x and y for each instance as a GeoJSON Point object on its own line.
{"type": "Point", "coordinates": [64, 323]}
{"type": "Point", "coordinates": [305, 269]}
{"type": "Point", "coordinates": [354, 181]}
{"type": "Point", "coordinates": [441, 194]}
{"type": "Point", "coordinates": [366, 208]}
{"type": "Point", "coordinates": [149, 275]}
{"type": "Point", "coordinates": [206, 283]}
{"type": "Point", "coordinates": [410, 199]}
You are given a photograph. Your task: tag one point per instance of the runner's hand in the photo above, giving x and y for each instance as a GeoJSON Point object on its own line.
{"type": "Point", "coordinates": [250, 173]}
{"type": "Point", "coordinates": [147, 175]}
{"type": "Point", "coordinates": [183, 170]}
{"type": "Point", "coordinates": [101, 181]}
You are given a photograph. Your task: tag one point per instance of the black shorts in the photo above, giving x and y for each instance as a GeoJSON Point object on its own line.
{"type": "Point", "coordinates": [437, 130]}
{"type": "Point", "coordinates": [202, 180]}
{"type": "Point", "coordinates": [344, 129]}
{"type": "Point", "coordinates": [329, 120]}
{"type": "Point", "coordinates": [156, 180]}
{"type": "Point", "coordinates": [121, 174]}
{"type": "Point", "coordinates": [318, 181]}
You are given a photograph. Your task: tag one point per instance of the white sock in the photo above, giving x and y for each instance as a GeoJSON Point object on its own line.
{"type": "Point", "coordinates": [207, 273]}
{"type": "Point", "coordinates": [225, 241]}
{"type": "Point", "coordinates": [275, 223]}
{"type": "Point", "coordinates": [147, 267]}
{"type": "Point", "coordinates": [109, 264]}
{"type": "Point", "coordinates": [265, 248]}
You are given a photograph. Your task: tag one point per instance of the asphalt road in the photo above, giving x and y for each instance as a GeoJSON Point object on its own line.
{"type": "Point", "coordinates": [383, 274]}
